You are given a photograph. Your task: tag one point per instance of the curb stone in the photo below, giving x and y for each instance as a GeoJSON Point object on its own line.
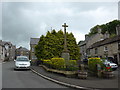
{"type": "Point", "coordinates": [62, 83]}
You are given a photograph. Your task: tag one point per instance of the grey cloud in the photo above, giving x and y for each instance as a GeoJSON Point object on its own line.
{"type": "Point", "coordinates": [24, 20]}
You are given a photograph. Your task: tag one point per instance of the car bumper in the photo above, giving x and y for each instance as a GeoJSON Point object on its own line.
{"type": "Point", "coordinates": [114, 67]}
{"type": "Point", "coordinates": [22, 67]}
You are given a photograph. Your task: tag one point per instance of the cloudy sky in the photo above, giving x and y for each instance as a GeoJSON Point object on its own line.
{"type": "Point", "coordinates": [23, 20]}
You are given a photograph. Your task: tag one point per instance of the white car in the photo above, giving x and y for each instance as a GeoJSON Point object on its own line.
{"type": "Point", "coordinates": [22, 62]}
{"type": "Point", "coordinates": [113, 65]}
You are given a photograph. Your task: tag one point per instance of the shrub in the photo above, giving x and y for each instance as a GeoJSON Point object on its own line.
{"type": "Point", "coordinates": [58, 63]}
{"type": "Point", "coordinates": [47, 63]}
{"type": "Point", "coordinates": [61, 64]}
{"type": "Point", "coordinates": [71, 65]}
{"type": "Point", "coordinates": [92, 64]}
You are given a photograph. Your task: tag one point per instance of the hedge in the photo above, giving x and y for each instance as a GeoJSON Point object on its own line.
{"type": "Point", "coordinates": [92, 64]}
{"type": "Point", "coordinates": [61, 64]}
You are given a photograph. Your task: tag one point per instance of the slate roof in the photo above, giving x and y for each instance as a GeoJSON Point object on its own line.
{"type": "Point", "coordinates": [34, 41]}
{"type": "Point", "coordinates": [22, 49]}
{"type": "Point", "coordinates": [82, 43]}
{"type": "Point", "coordinates": [106, 41]}
{"type": "Point", "coordinates": [2, 43]}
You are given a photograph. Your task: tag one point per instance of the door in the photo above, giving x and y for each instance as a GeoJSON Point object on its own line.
{"type": "Point", "coordinates": [115, 59]}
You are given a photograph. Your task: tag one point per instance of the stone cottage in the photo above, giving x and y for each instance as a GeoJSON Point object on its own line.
{"type": "Point", "coordinates": [33, 43]}
{"type": "Point", "coordinates": [21, 51]}
{"type": "Point", "coordinates": [102, 46]}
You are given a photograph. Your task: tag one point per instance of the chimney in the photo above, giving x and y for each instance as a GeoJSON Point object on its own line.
{"type": "Point", "coordinates": [106, 35]}
{"type": "Point", "coordinates": [99, 30]}
{"type": "Point", "coordinates": [86, 37]}
{"type": "Point", "coordinates": [118, 29]}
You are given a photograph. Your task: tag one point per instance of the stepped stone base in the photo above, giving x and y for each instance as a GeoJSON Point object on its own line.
{"type": "Point", "coordinates": [66, 56]}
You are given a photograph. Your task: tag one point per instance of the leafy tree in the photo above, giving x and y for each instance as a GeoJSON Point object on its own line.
{"type": "Point", "coordinates": [93, 30]}
{"type": "Point", "coordinates": [52, 45]}
{"type": "Point", "coordinates": [110, 27]}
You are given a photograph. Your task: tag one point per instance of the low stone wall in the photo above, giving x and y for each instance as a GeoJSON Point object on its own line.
{"type": "Point", "coordinates": [67, 73]}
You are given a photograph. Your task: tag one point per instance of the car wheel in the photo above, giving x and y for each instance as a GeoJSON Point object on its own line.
{"type": "Point", "coordinates": [15, 69]}
{"type": "Point", "coordinates": [114, 69]}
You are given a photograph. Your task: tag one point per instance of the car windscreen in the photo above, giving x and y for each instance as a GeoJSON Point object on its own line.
{"type": "Point", "coordinates": [22, 59]}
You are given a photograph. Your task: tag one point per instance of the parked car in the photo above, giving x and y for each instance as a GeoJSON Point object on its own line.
{"type": "Point", "coordinates": [110, 63]}
{"type": "Point", "coordinates": [22, 62]}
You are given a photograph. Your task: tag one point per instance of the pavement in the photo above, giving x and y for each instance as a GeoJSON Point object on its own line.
{"type": "Point", "coordinates": [91, 83]}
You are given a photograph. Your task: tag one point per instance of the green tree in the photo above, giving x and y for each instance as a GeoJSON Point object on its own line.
{"type": "Point", "coordinates": [52, 45]}
{"type": "Point", "coordinates": [110, 27]}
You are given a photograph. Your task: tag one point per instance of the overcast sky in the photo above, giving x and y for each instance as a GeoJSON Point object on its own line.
{"type": "Point", "coordinates": [23, 20]}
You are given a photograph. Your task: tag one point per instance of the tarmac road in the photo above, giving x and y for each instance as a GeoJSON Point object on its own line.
{"type": "Point", "coordinates": [24, 78]}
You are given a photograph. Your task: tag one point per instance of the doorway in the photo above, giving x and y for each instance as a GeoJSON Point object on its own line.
{"type": "Point", "coordinates": [115, 59]}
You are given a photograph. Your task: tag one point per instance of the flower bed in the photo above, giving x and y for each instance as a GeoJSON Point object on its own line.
{"type": "Point", "coordinates": [61, 64]}
{"type": "Point", "coordinates": [66, 73]}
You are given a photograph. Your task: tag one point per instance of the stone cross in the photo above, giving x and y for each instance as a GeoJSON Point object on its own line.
{"type": "Point", "coordinates": [65, 37]}
{"type": "Point", "coordinates": [65, 53]}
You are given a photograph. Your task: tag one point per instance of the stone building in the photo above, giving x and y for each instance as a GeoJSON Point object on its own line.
{"type": "Point", "coordinates": [89, 40]}
{"type": "Point", "coordinates": [106, 48]}
{"type": "Point", "coordinates": [102, 46]}
{"type": "Point", "coordinates": [2, 51]}
{"type": "Point", "coordinates": [82, 45]}
{"type": "Point", "coordinates": [21, 51]}
{"type": "Point", "coordinates": [33, 42]}
{"type": "Point", "coordinates": [7, 50]}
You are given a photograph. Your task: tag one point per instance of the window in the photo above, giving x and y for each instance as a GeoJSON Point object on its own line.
{"type": "Point", "coordinates": [34, 57]}
{"type": "Point", "coordinates": [96, 51]}
{"type": "Point", "coordinates": [105, 48]}
{"type": "Point", "coordinates": [118, 45]}
{"type": "Point", "coordinates": [32, 49]}
{"type": "Point", "coordinates": [88, 52]}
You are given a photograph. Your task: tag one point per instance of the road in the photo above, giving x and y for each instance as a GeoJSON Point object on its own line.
{"type": "Point", "coordinates": [24, 79]}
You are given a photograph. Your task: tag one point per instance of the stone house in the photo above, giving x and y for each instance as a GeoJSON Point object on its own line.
{"type": "Point", "coordinates": [33, 43]}
{"type": "Point", "coordinates": [107, 48]}
{"type": "Point", "coordinates": [2, 51]}
{"type": "Point", "coordinates": [100, 45]}
{"type": "Point", "coordinates": [7, 50]}
{"type": "Point", "coordinates": [89, 40]}
{"type": "Point", "coordinates": [82, 45]}
{"type": "Point", "coordinates": [21, 51]}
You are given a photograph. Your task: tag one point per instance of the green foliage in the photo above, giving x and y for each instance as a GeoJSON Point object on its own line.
{"type": "Point", "coordinates": [61, 64]}
{"type": "Point", "coordinates": [92, 64]}
{"type": "Point", "coordinates": [110, 27]}
{"type": "Point", "coordinates": [71, 65]}
{"type": "Point", "coordinates": [93, 30]}
{"type": "Point", "coordinates": [52, 44]}
{"type": "Point", "coordinates": [58, 63]}
{"type": "Point", "coordinates": [47, 63]}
